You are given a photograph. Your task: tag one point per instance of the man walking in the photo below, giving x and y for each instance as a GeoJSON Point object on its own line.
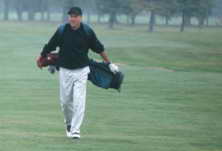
{"type": "Point", "coordinates": [74, 40]}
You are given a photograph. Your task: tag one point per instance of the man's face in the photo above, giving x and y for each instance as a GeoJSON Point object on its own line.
{"type": "Point", "coordinates": [75, 20]}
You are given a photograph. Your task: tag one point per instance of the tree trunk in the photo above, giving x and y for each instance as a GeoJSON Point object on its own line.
{"type": "Point", "coordinates": [167, 18]}
{"type": "Point", "coordinates": [47, 9]}
{"type": "Point", "coordinates": [6, 9]}
{"type": "Point", "coordinates": [19, 13]}
{"type": "Point", "coordinates": [187, 20]}
{"type": "Point", "coordinates": [128, 19]}
{"type": "Point", "coordinates": [42, 15]}
{"type": "Point", "coordinates": [99, 18]}
{"type": "Point", "coordinates": [182, 27]}
{"type": "Point", "coordinates": [64, 14]}
{"type": "Point", "coordinates": [115, 19]}
{"type": "Point", "coordinates": [201, 22]}
{"type": "Point", "coordinates": [152, 21]}
{"type": "Point", "coordinates": [133, 19]}
{"type": "Point", "coordinates": [207, 19]}
{"type": "Point", "coordinates": [88, 17]}
{"type": "Point", "coordinates": [42, 10]}
{"type": "Point", "coordinates": [48, 14]}
{"type": "Point", "coordinates": [112, 19]}
{"type": "Point", "coordinates": [31, 14]}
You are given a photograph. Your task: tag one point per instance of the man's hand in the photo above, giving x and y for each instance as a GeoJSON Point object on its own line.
{"type": "Point", "coordinates": [114, 68]}
{"type": "Point", "coordinates": [40, 61]}
{"type": "Point", "coordinates": [50, 59]}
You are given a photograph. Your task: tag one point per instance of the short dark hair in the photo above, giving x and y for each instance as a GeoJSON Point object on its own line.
{"type": "Point", "coordinates": [75, 11]}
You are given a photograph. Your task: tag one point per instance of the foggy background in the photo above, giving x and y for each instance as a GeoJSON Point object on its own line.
{"type": "Point", "coordinates": [170, 52]}
{"type": "Point", "coordinates": [181, 13]}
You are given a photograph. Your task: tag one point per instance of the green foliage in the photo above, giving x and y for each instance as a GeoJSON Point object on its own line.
{"type": "Point", "coordinates": [108, 7]}
{"type": "Point", "coordinates": [196, 7]}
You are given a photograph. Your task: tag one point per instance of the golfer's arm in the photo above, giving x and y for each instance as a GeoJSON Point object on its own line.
{"type": "Point", "coordinates": [104, 57]}
{"type": "Point", "coordinates": [51, 45]}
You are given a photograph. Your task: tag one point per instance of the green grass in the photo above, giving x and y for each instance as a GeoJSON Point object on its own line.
{"type": "Point", "coordinates": [171, 99]}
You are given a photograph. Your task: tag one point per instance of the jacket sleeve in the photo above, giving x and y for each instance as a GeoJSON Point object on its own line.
{"type": "Point", "coordinates": [95, 44]}
{"type": "Point", "coordinates": [53, 43]}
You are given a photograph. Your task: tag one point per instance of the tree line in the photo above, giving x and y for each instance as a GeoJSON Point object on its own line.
{"type": "Point", "coordinates": [167, 9]}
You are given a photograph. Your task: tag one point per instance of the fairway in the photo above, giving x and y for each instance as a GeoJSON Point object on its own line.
{"type": "Point", "coordinates": [171, 99]}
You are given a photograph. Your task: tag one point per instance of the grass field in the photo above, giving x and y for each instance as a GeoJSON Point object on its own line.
{"type": "Point", "coordinates": [171, 99]}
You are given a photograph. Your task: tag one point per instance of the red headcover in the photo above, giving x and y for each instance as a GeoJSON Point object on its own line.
{"type": "Point", "coordinates": [50, 59]}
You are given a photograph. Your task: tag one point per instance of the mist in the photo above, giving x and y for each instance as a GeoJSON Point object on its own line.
{"type": "Point", "coordinates": [181, 13]}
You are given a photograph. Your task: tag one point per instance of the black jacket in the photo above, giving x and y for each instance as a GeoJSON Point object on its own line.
{"type": "Point", "coordinates": [74, 45]}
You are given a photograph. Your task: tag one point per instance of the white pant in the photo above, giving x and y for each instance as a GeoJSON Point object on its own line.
{"type": "Point", "coordinates": [73, 85]}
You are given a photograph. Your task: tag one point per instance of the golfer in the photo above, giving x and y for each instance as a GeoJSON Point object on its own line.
{"type": "Point", "coordinates": [74, 40]}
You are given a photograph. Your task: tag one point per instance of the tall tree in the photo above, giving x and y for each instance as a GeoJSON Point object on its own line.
{"type": "Point", "coordinates": [202, 10]}
{"type": "Point", "coordinates": [47, 9]}
{"type": "Point", "coordinates": [6, 9]}
{"type": "Point", "coordinates": [19, 6]}
{"type": "Point", "coordinates": [194, 8]}
{"type": "Point", "coordinates": [88, 7]}
{"type": "Point", "coordinates": [153, 7]}
{"type": "Point", "coordinates": [112, 8]}
{"type": "Point", "coordinates": [168, 9]}
{"type": "Point", "coordinates": [131, 8]}
{"type": "Point", "coordinates": [185, 7]}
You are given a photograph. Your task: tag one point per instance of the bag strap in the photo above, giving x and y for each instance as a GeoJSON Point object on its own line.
{"type": "Point", "coordinates": [86, 29]}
